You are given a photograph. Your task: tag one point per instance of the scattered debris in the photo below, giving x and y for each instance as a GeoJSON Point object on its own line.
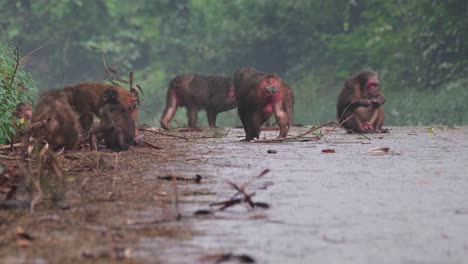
{"type": "Point", "coordinates": [151, 145]}
{"type": "Point", "coordinates": [219, 258]}
{"type": "Point", "coordinates": [328, 151]}
{"type": "Point", "coordinates": [379, 151]}
{"type": "Point", "coordinates": [196, 179]}
{"type": "Point", "coordinates": [9, 182]}
{"type": "Point", "coordinates": [382, 151]}
{"type": "Point", "coordinates": [313, 129]}
{"type": "Point", "coordinates": [307, 139]}
{"type": "Point", "coordinates": [246, 197]}
{"type": "Point", "coordinates": [23, 239]}
{"type": "Point", "coordinates": [203, 212]}
{"type": "Point", "coordinates": [463, 211]}
{"type": "Point", "coordinates": [153, 130]}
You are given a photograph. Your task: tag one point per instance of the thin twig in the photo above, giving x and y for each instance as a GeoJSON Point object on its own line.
{"type": "Point", "coordinates": [151, 145]}
{"type": "Point", "coordinates": [164, 134]}
{"type": "Point", "coordinates": [9, 158]}
{"type": "Point", "coordinates": [8, 146]}
{"type": "Point", "coordinates": [312, 130]}
{"type": "Point", "coordinates": [17, 64]}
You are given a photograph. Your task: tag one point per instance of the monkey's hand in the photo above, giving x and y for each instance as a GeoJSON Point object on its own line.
{"type": "Point", "coordinates": [378, 101]}
{"type": "Point", "coordinates": [364, 102]}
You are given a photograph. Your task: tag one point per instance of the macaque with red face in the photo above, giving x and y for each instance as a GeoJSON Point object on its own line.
{"type": "Point", "coordinates": [360, 103]}
{"type": "Point", "coordinates": [215, 94]}
{"type": "Point", "coordinates": [21, 118]}
{"type": "Point", "coordinates": [259, 96]}
{"type": "Point", "coordinates": [86, 99]}
{"type": "Point", "coordinates": [117, 127]}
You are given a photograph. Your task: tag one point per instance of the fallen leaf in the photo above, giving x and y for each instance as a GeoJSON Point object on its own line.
{"type": "Point", "coordinates": [379, 151]}
{"type": "Point", "coordinates": [430, 130]}
{"type": "Point", "coordinates": [424, 182]}
{"type": "Point", "coordinates": [328, 151]}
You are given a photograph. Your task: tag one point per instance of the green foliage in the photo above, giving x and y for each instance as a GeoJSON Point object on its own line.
{"type": "Point", "coordinates": [16, 86]}
{"type": "Point", "coordinates": [418, 47]}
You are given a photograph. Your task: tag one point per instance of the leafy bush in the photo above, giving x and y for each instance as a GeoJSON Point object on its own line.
{"type": "Point", "coordinates": [16, 86]}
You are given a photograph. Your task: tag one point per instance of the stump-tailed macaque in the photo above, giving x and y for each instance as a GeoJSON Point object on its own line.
{"type": "Point", "coordinates": [21, 118]}
{"type": "Point", "coordinates": [117, 127]}
{"type": "Point", "coordinates": [61, 127]}
{"type": "Point", "coordinates": [360, 104]}
{"type": "Point", "coordinates": [259, 96]}
{"type": "Point", "coordinates": [215, 94]}
{"type": "Point", "coordinates": [86, 99]}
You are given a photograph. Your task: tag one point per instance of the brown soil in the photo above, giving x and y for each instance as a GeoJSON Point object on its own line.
{"type": "Point", "coordinates": [98, 213]}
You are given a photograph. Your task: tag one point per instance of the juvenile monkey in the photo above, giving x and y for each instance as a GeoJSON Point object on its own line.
{"type": "Point", "coordinates": [61, 126]}
{"type": "Point", "coordinates": [21, 118]}
{"type": "Point", "coordinates": [360, 103]}
{"type": "Point", "coordinates": [117, 127]}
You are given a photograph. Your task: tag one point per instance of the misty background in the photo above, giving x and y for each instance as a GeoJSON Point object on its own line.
{"type": "Point", "coordinates": [419, 48]}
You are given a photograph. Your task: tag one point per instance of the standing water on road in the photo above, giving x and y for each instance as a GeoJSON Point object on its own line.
{"type": "Point", "coordinates": [397, 198]}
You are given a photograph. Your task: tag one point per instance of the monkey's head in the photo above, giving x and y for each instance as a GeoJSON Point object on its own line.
{"type": "Point", "coordinates": [22, 110]}
{"type": "Point", "coordinates": [370, 81]}
{"type": "Point", "coordinates": [110, 96]}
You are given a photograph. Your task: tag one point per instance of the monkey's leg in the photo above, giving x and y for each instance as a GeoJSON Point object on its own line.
{"type": "Point", "coordinates": [379, 121]}
{"type": "Point", "coordinates": [169, 111]}
{"type": "Point", "coordinates": [86, 121]}
{"type": "Point", "coordinates": [119, 143]}
{"type": "Point", "coordinates": [281, 119]}
{"type": "Point", "coordinates": [211, 114]}
{"type": "Point", "coordinates": [192, 114]}
{"type": "Point", "coordinates": [255, 121]}
{"type": "Point", "coordinates": [358, 123]}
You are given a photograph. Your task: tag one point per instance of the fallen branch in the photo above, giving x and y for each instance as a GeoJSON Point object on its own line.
{"type": "Point", "coordinates": [163, 134]}
{"type": "Point", "coordinates": [9, 158]}
{"type": "Point", "coordinates": [151, 145]}
{"type": "Point", "coordinates": [196, 179]}
{"type": "Point", "coordinates": [8, 146]}
{"type": "Point", "coordinates": [247, 198]}
{"type": "Point", "coordinates": [312, 130]}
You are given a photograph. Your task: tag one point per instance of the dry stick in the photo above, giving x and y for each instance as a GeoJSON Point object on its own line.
{"type": "Point", "coordinates": [17, 64]}
{"type": "Point", "coordinates": [151, 145]}
{"type": "Point", "coordinates": [8, 146]}
{"type": "Point", "coordinates": [164, 134]}
{"type": "Point", "coordinates": [130, 81]}
{"type": "Point", "coordinates": [9, 158]}
{"type": "Point", "coordinates": [310, 131]}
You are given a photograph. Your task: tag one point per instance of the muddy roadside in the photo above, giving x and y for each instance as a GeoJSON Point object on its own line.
{"type": "Point", "coordinates": [328, 197]}
{"type": "Point", "coordinates": [105, 205]}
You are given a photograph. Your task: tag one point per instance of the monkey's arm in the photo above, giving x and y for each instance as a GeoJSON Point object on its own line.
{"type": "Point", "coordinates": [378, 101]}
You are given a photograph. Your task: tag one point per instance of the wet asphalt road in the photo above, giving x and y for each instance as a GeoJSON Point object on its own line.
{"type": "Point", "coordinates": [409, 205]}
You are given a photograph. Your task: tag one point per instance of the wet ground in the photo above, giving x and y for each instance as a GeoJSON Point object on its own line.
{"type": "Point", "coordinates": [400, 197]}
